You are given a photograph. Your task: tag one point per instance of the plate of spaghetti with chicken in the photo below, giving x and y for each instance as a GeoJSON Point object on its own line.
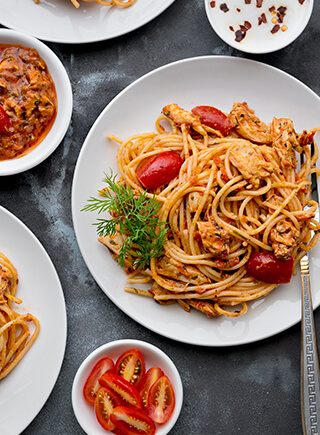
{"type": "Point", "coordinates": [199, 198]}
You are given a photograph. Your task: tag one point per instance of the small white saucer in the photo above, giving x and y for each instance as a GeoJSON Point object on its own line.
{"type": "Point", "coordinates": [258, 26]}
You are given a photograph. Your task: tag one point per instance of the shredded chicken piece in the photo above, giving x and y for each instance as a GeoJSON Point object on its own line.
{"type": "Point", "coordinates": [214, 238]}
{"type": "Point", "coordinates": [180, 116]}
{"type": "Point", "coordinates": [182, 272]}
{"type": "Point", "coordinates": [285, 141]}
{"type": "Point", "coordinates": [283, 238]}
{"type": "Point", "coordinates": [157, 290]}
{"type": "Point", "coordinates": [204, 306]}
{"type": "Point", "coordinates": [248, 125]}
{"type": "Point", "coordinates": [114, 243]}
{"type": "Point", "coordinates": [249, 160]}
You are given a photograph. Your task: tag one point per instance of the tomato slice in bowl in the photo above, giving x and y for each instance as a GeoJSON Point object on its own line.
{"type": "Point", "coordinates": [161, 400]}
{"type": "Point", "coordinates": [132, 421]}
{"type": "Point", "coordinates": [128, 393]}
{"type": "Point", "coordinates": [106, 400]}
{"type": "Point", "coordinates": [92, 385]}
{"type": "Point", "coordinates": [152, 375]}
{"type": "Point", "coordinates": [131, 366]}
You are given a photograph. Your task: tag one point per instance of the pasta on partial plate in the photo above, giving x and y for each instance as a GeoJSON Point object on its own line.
{"type": "Point", "coordinates": [120, 3]}
{"type": "Point", "coordinates": [223, 202]}
{"type": "Point", "coordinates": [16, 337]}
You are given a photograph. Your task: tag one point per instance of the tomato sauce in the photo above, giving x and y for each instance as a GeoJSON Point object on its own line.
{"type": "Point", "coordinates": [28, 96]}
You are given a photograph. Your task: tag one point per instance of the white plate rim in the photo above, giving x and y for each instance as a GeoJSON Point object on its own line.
{"type": "Point", "coordinates": [65, 104]}
{"type": "Point", "coordinates": [39, 385]}
{"type": "Point", "coordinates": [242, 46]}
{"type": "Point", "coordinates": [78, 19]}
{"type": "Point", "coordinates": [211, 341]}
{"type": "Point", "coordinates": [117, 347]}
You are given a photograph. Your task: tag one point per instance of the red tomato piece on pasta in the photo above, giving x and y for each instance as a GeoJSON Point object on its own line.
{"type": "Point", "coordinates": [158, 170]}
{"type": "Point", "coordinates": [213, 118]}
{"type": "Point", "coordinates": [131, 366]}
{"type": "Point", "coordinates": [132, 421]}
{"type": "Point", "coordinates": [92, 385]}
{"type": "Point", "coordinates": [265, 266]}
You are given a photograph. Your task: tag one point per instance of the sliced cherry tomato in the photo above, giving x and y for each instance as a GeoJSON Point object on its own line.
{"type": "Point", "coordinates": [106, 400]}
{"type": "Point", "coordinates": [92, 385]}
{"type": "Point", "coordinates": [213, 118]}
{"type": "Point", "coordinates": [131, 366]}
{"type": "Point", "coordinates": [152, 375]}
{"type": "Point", "coordinates": [159, 169]}
{"type": "Point", "coordinates": [127, 392]}
{"type": "Point", "coordinates": [265, 266]}
{"type": "Point", "coordinates": [161, 400]}
{"type": "Point", "coordinates": [4, 120]}
{"type": "Point", "coordinates": [133, 421]}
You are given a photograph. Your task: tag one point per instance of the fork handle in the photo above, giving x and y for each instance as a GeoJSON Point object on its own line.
{"type": "Point", "coordinates": [310, 380]}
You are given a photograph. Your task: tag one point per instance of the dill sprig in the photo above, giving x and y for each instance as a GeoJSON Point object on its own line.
{"type": "Point", "coordinates": [135, 217]}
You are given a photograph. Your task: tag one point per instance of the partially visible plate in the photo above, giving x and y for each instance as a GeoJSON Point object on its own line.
{"type": "Point", "coordinates": [25, 390]}
{"type": "Point", "coordinates": [212, 80]}
{"type": "Point", "coordinates": [60, 21]}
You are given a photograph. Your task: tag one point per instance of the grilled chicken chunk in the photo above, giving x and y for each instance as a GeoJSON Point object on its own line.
{"type": "Point", "coordinates": [284, 237]}
{"type": "Point", "coordinates": [214, 238]}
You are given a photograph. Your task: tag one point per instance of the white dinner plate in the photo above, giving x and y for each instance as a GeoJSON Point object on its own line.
{"type": "Point", "coordinates": [60, 21]}
{"type": "Point", "coordinates": [212, 80]}
{"type": "Point", "coordinates": [25, 390]}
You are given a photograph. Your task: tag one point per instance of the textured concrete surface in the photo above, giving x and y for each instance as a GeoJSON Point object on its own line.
{"type": "Point", "coordinates": [249, 390]}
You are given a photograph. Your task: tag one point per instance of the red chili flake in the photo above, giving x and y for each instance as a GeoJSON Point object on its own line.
{"type": "Point", "coordinates": [275, 29]}
{"type": "Point", "coordinates": [239, 36]}
{"type": "Point", "coordinates": [259, 3]}
{"type": "Point", "coordinates": [213, 4]}
{"type": "Point", "coordinates": [281, 12]}
{"type": "Point", "coordinates": [224, 7]}
{"type": "Point", "coordinates": [238, 10]}
{"type": "Point", "coordinates": [247, 2]}
{"type": "Point", "coordinates": [247, 25]}
{"type": "Point", "coordinates": [262, 19]}
{"type": "Point", "coordinates": [231, 28]}
{"type": "Point", "coordinates": [301, 1]}
{"type": "Point", "coordinates": [272, 9]}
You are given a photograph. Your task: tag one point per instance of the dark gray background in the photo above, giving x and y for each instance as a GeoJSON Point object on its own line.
{"type": "Point", "coordinates": [251, 389]}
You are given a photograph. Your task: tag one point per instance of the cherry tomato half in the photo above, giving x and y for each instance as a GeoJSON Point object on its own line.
{"type": "Point", "coordinates": [4, 120]}
{"type": "Point", "coordinates": [265, 266]}
{"type": "Point", "coordinates": [158, 170]}
{"type": "Point", "coordinates": [131, 366]}
{"type": "Point", "coordinates": [152, 375]}
{"type": "Point", "coordinates": [106, 400]}
{"type": "Point", "coordinates": [127, 392]}
{"type": "Point", "coordinates": [132, 421]}
{"type": "Point", "coordinates": [213, 118]}
{"type": "Point", "coordinates": [161, 400]}
{"type": "Point", "coordinates": [92, 385]}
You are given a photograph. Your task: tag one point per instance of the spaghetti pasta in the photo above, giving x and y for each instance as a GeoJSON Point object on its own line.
{"type": "Point", "coordinates": [15, 336]}
{"type": "Point", "coordinates": [120, 3]}
{"type": "Point", "coordinates": [237, 193]}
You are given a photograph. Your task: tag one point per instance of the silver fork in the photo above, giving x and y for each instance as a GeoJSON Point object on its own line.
{"type": "Point", "coordinates": [310, 380]}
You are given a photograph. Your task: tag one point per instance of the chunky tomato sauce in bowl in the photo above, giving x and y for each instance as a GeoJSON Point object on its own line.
{"type": "Point", "coordinates": [35, 102]}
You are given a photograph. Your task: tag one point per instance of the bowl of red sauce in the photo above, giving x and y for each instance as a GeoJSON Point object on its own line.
{"type": "Point", "coordinates": [127, 382]}
{"type": "Point", "coordinates": [35, 102]}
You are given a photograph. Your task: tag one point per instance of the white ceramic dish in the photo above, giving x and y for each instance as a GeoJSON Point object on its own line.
{"type": "Point", "coordinates": [60, 21]}
{"type": "Point", "coordinates": [25, 390]}
{"type": "Point", "coordinates": [65, 101]}
{"type": "Point", "coordinates": [259, 38]}
{"type": "Point", "coordinates": [247, 80]}
{"type": "Point", "coordinates": [154, 357]}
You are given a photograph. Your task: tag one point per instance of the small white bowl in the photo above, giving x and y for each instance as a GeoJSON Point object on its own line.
{"type": "Point", "coordinates": [153, 356]}
{"type": "Point", "coordinates": [65, 104]}
{"type": "Point", "coordinates": [226, 17]}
